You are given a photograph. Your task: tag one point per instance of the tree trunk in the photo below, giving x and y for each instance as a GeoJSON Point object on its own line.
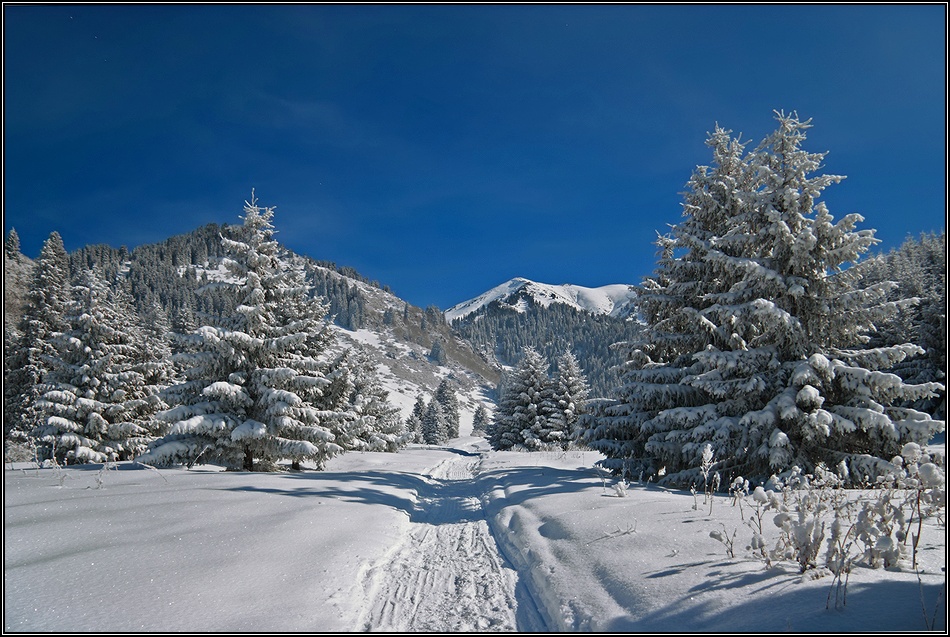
{"type": "Point", "coordinates": [248, 459]}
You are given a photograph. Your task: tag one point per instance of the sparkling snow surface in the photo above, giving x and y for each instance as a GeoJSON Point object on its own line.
{"type": "Point", "coordinates": [429, 539]}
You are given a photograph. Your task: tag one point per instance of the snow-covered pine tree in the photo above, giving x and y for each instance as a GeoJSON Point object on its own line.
{"type": "Point", "coordinates": [526, 412]}
{"type": "Point", "coordinates": [96, 404]}
{"type": "Point", "coordinates": [185, 321]}
{"type": "Point", "coordinates": [570, 392]}
{"type": "Point", "coordinates": [12, 245]}
{"type": "Point", "coordinates": [356, 387]}
{"type": "Point", "coordinates": [501, 434]}
{"type": "Point", "coordinates": [17, 271]}
{"type": "Point", "coordinates": [481, 421]}
{"type": "Point", "coordinates": [157, 368]}
{"type": "Point", "coordinates": [779, 374]}
{"type": "Point", "coordinates": [255, 382]}
{"type": "Point", "coordinates": [918, 267]}
{"type": "Point", "coordinates": [816, 393]}
{"type": "Point", "coordinates": [31, 354]}
{"type": "Point", "coordinates": [414, 422]}
{"type": "Point", "coordinates": [155, 363]}
{"type": "Point", "coordinates": [448, 400]}
{"type": "Point", "coordinates": [434, 428]}
{"type": "Point", "coordinates": [671, 303]}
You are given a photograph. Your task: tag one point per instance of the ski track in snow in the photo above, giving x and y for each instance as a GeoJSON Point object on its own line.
{"type": "Point", "coordinates": [447, 574]}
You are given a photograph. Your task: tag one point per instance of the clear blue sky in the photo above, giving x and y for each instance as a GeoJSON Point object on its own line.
{"type": "Point", "coordinates": [442, 150]}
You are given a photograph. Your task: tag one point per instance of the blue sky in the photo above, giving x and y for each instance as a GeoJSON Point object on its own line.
{"type": "Point", "coordinates": [443, 150]}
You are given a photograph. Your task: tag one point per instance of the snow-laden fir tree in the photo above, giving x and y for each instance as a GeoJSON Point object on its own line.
{"type": "Point", "coordinates": [481, 421]}
{"type": "Point", "coordinates": [33, 351]}
{"type": "Point", "coordinates": [157, 365]}
{"type": "Point", "coordinates": [356, 388]}
{"type": "Point", "coordinates": [253, 393]}
{"type": "Point", "coordinates": [11, 246]}
{"type": "Point", "coordinates": [17, 271]}
{"type": "Point", "coordinates": [570, 393]}
{"type": "Point", "coordinates": [919, 268]}
{"type": "Point", "coordinates": [414, 421]}
{"type": "Point", "coordinates": [526, 414]}
{"type": "Point", "coordinates": [768, 362]}
{"type": "Point", "coordinates": [96, 406]}
{"type": "Point", "coordinates": [670, 302]}
{"type": "Point", "coordinates": [434, 426]}
{"type": "Point", "coordinates": [448, 400]}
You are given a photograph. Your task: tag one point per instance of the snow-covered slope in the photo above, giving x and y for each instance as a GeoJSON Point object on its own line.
{"type": "Point", "coordinates": [613, 300]}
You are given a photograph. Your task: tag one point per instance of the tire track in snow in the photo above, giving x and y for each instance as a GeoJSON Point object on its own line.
{"type": "Point", "coordinates": [448, 575]}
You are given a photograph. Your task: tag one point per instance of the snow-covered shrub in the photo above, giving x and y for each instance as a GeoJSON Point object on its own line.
{"type": "Point", "coordinates": [798, 510]}
{"type": "Point", "coordinates": [802, 532]}
{"type": "Point", "coordinates": [725, 539]}
{"type": "Point", "coordinates": [878, 527]}
{"type": "Point", "coordinates": [19, 451]}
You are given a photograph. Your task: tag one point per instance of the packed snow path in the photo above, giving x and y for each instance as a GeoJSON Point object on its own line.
{"type": "Point", "coordinates": [447, 574]}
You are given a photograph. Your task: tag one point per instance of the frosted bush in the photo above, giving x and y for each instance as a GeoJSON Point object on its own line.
{"type": "Point", "coordinates": [725, 539]}
{"type": "Point", "coordinates": [810, 511]}
{"type": "Point", "coordinates": [931, 476]}
{"type": "Point", "coordinates": [911, 452]}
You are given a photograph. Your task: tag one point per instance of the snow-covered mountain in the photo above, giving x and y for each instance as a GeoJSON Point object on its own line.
{"type": "Point", "coordinates": [615, 300]}
{"type": "Point", "coordinates": [552, 320]}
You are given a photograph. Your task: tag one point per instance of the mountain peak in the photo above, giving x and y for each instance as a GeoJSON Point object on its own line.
{"type": "Point", "coordinates": [612, 300]}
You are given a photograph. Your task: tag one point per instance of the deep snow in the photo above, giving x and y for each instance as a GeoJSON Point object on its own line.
{"type": "Point", "coordinates": [428, 539]}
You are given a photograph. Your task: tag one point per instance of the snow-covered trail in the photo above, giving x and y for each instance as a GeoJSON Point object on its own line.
{"type": "Point", "coordinates": [447, 575]}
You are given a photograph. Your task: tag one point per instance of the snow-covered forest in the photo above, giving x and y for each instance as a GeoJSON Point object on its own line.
{"type": "Point", "coordinates": [773, 416]}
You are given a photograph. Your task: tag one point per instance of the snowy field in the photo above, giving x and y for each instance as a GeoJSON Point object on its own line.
{"type": "Point", "coordinates": [429, 539]}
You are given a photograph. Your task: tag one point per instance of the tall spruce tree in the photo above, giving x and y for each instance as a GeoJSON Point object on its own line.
{"type": "Point", "coordinates": [526, 414]}
{"type": "Point", "coordinates": [96, 406]}
{"type": "Point", "coordinates": [570, 392]}
{"type": "Point", "coordinates": [253, 393]}
{"type": "Point", "coordinates": [356, 388]}
{"type": "Point", "coordinates": [434, 428]}
{"type": "Point", "coordinates": [448, 400]}
{"type": "Point", "coordinates": [671, 303]}
{"type": "Point", "coordinates": [766, 359]}
{"type": "Point", "coordinates": [33, 352]}
{"type": "Point", "coordinates": [919, 268]}
{"type": "Point", "coordinates": [480, 421]}
{"type": "Point", "coordinates": [414, 422]}
{"type": "Point", "coordinates": [12, 246]}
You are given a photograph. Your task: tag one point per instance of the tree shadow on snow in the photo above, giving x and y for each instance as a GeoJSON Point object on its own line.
{"type": "Point", "coordinates": [526, 483]}
{"type": "Point", "coordinates": [795, 607]}
{"type": "Point", "coordinates": [367, 487]}
{"type": "Point", "coordinates": [425, 500]}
